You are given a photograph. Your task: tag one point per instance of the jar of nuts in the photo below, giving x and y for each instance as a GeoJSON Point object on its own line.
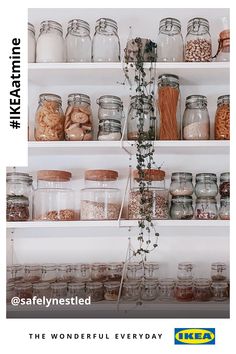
{"type": "Point", "coordinates": [222, 118]}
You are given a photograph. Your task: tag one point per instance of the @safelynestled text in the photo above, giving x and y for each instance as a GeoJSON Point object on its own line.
{"type": "Point", "coordinates": [47, 302]}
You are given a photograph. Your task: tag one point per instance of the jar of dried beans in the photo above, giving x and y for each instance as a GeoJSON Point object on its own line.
{"type": "Point", "coordinates": [184, 290]}
{"type": "Point", "coordinates": [223, 52]}
{"type": "Point", "coordinates": [181, 184]}
{"type": "Point", "coordinates": [100, 200]}
{"type": "Point", "coordinates": [202, 289]}
{"type": "Point", "coordinates": [181, 208]}
{"type": "Point", "coordinates": [206, 208]}
{"type": "Point", "coordinates": [225, 184]}
{"type": "Point", "coordinates": [224, 212]}
{"type": "Point", "coordinates": [222, 118]}
{"type": "Point", "coordinates": [78, 121]}
{"type": "Point", "coordinates": [206, 185]}
{"type": "Point", "coordinates": [33, 273]}
{"type": "Point", "coordinates": [218, 272]}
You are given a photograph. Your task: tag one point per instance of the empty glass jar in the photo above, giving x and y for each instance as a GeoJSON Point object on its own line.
{"type": "Point", "coordinates": [78, 42]}
{"type": "Point", "coordinates": [42, 289]}
{"type": "Point", "coordinates": [99, 272]}
{"type": "Point", "coordinates": [81, 272]}
{"type": "Point", "coordinates": [225, 184]}
{"type": "Point", "coordinates": [206, 208]}
{"type": "Point", "coordinates": [181, 184]}
{"type": "Point", "coordinates": [218, 272]}
{"type": "Point", "coordinates": [166, 289]}
{"type": "Point", "coordinates": [31, 43]}
{"type": "Point", "coordinates": [181, 208]}
{"type": "Point", "coordinates": [111, 290]}
{"type": "Point", "coordinates": [131, 290]}
{"type": "Point", "coordinates": [114, 271]}
{"type": "Point", "coordinates": [59, 290]}
{"type": "Point", "coordinates": [76, 289]}
{"type": "Point", "coordinates": [151, 270]}
{"type": "Point", "coordinates": [148, 290]}
{"type": "Point", "coordinates": [33, 273]}
{"type": "Point", "coordinates": [95, 291]}
{"type": "Point", "coordinates": [206, 185]}
{"type": "Point", "coordinates": [202, 289]}
{"type": "Point", "coordinates": [49, 273]}
{"type": "Point", "coordinates": [184, 290]}
{"type": "Point", "coordinates": [222, 118]}
{"type": "Point", "coordinates": [185, 271]}
{"type": "Point", "coordinates": [134, 271]}
{"type": "Point", "coordinates": [15, 273]}
{"type": "Point", "coordinates": [224, 212]}
{"type": "Point", "coordinates": [220, 291]}
{"type": "Point", "coordinates": [223, 52]}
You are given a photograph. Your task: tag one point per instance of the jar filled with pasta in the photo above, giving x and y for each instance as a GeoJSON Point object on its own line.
{"type": "Point", "coordinates": [222, 118]}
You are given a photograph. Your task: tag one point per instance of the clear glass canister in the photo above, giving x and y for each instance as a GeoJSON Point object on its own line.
{"type": "Point", "coordinates": [42, 289]}
{"type": "Point", "coordinates": [15, 273]}
{"type": "Point", "coordinates": [185, 271]}
{"type": "Point", "coordinates": [131, 290]}
{"type": "Point", "coordinates": [224, 212]}
{"type": "Point", "coordinates": [78, 42]}
{"type": "Point", "coordinates": [148, 290]}
{"type": "Point", "coordinates": [76, 289]}
{"type": "Point", "coordinates": [223, 52]}
{"type": "Point", "coordinates": [81, 272]}
{"type": "Point", "coordinates": [95, 291]}
{"type": "Point", "coordinates": [49, 118]}
{"type": "Point", "coordinates": [64, 272]}
{"type": "Point", "coordinates": [50, 43]}
{"type": "Point", "coordinates": [166, 289]}
{"type": "Point", "coordinates": [49, 273]}
{"type": "Point", "coordinates": [168, 104]}
{"type": "Point", "coordinates": [10, 292]}
{"type": "Point", "coordinates": [99, 272]}
{"type": "Point", "coordinates": [170, 46]}
{"type": "Point", "coordinates": [202, 289]}
{"type": "Point", "coordinates": [78, 118]}
{"type": "Point", "coordinates": [206, 208]}
{"type": "Point", "coordinates": [141, 119]}
{"type": "Point", "coordinates": [184, 290]}
{"type": "Point", "coordinates": [33, 273]}
{"type": "Point", "coordinates": [181, 184]}
{"type": "Point", "coordinates": [196, 121]}
{"type": "Point", "coordinates": [181, 208]}
{"type": "Point", "coordinates": [198, 40]}
{"type": "Point", "coordinates": [59, 290]}
{"type": "Point", "coordinates": [220, 291]}
{"type": "Point", "coordinates": [31, 43]}
{"type": "Point", "coordinates": [222, 118]}
{"type": "Point", "coordinates": [206, 185]}
{"type": "Point", "coordinates": [225, 184]}
{"type": "Point", "coordinates": [111, 290]}
{"type": "Point", "coordinates": [24, 290]}
{"type": "Point", "coordinates": [110, 108]}
{"type": "Point", "coordinates": [109, 130]}
{"type": "Point", "coordinates": [218, 271]}
{"type": "Point", "coordinates": [100, 200]}
{"type": "Point", "coordinates": [114, 271]}
{"type": "Point", "coordinates": [153, 200]}
{"type": "Point", "coordinates": [106, 42]}
{"type": "Point", "coordinates": [19, 196]}
{"type": "Point", "coordinates": [53, 199]}
{"type": "Point", "coordinates": [151, 270]}
{"type": "Point", "coordinates": [134, 270]}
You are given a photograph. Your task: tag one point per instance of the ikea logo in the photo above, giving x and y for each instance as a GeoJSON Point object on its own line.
{"type": "Point", "coordinates": [194, 335]}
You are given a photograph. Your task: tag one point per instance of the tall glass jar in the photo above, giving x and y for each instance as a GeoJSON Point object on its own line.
{"type": "Point", "coordinates": [33, 273]}
{"type": "Point", "coordinates": [206, 185]}
{"type": "Point", "coordinates": [168, 104]}
{"type": "Point", "coordinates": [218, 272]}
{"type": "Point", "coordinates": [78, 42]}
{"type": "Point", "coordinates": [181, 184]}
{"type": "Point", "coordinates": [114, 271]}
{"type": "Point", "coordinates": [31, 43]}
{"type": "Point", "coordinates": [206, 208]}
{"type": "Point", "coordinates": [141, 119]}
{"type": "Point", "coordinates": [95, 290]}
{"type": "Point", "coordinates": [170, 46]}
{"type": "Point", "coordinates": [222, 118]}
{"type": "Point", "coordinates": [225, 184]}
{"type": "Point", "coordinates": [148, 290]}
{"type": "Point", "coordinates": [99, 272]}
{"type": "Point", "coordinates": [78, 118]}
{"type": "Point", "coordinates": [110, 108]}
{"type": "Point", "coordinates": [223, 52]}
{"type": "Point", "coordinates": [53, 199]}
{"type": "Point", "coordinates": [49, 118]}
{"type": "Point", "coordinates": [184, 290]}
{"type": "Point", "coordinates": [224, 212]}
{"type": "Point", "coordinates": [131, 290]}
{"type": "Point", "coordinates": [100, 200]}
{"type": "Point", "coordinates": [185, 271]}
{"type": "Point", "coordinates": [81, 272]}
{"type": "Point", "coordinates": [202, 289]}
{"type": "Point", "coordinates": [64, 272]}
{"type": "Point", "coordinates": [42, 289]}
{"type": "Point", "coordinates": [15, 273]}
{"type": "Point", "coordinates": [220, 291]}
{"type": "Point", "coordinates": [181, 208]}
{"type": "Point", "coordinates": [151, 270]}
{"type": "Point", "coordinates": [19, 196]}
{"type": "Point", "coordinates": [196, 121]}
{"type": "Point", "coordinates": [166, 289]}
{"type": "Point", "coordinates": [198, 40]}
{"type": "Point", "coordinates": [49, 273]}
{"type": "Point", "coordinates": [50, 43]}
{"type": "Point", "coordinates": [106, 42]}
{"type": "Point", "coordinates": [109, 130]}
{"type": "Point", "coordinates": [134, 271]}
{"type": "Point", "coordinates": [59, 290]}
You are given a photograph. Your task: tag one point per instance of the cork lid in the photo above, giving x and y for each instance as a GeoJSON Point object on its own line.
{"type": "Point", "coordinates": [225, 34]}
{"type": "Point", "coordinates": [101, 175]}
{"type": "Point", "coordinates": [150, 175]}
{"type": "Point", "coordinates": [54, 175]}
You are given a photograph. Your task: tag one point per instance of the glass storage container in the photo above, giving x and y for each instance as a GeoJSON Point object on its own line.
{"type": "Point", "coordinates": [218, 272]}
{"type": "Point", "coordinates": [168, 105]}
{"type": "Point", "coordinates": [206, 185]}
{"type": "Point", "coordinates": [10, 292]}
{"type": "Point", "coordinates": [106, 42]}
{"type": "Point", "coordinates": [100, 200]}
{"type": "Point", "coordinates": [109, 130]}
{"type": "Point", "coordinates": [110, 108]}
{"type": "Point", "coordinates": [148, 290]}
{"type": "Point", "coordinates": [99, 272]}
{"type": "Point", "coordinates": [76, 289]}
{"type": "Point", "coordinates": [206, 208]}
{"type": "Point", "coordinates": [220, 291]}
{"type": "Point", "coordinates": [49, 118]}
{"type": "Point", "coordinates": [198, 40]}
{"type": "Point", "coordinates": [131, 290]}
{"type": "Point", "coordinates": [31, 43]}
{"type": "Point", "coordinates": [185, 271]}
{"type": "Point", "coordinates": [64, 272]}
{"type": "Point", "coordinates": [225, 184]}
{"type": "Point", "coordinates": [223, 52]}
{"type": "Point", "coordinates": [154, 200]}
{"type": "Point", "coordinates": [78, 42]}
{"type": "Point", "coordinates": [81, 272]}
{"type": "Point", "coordinates": [19, 196]}
{"type": "Point", "coordinates": [42, 289]}
{"type": "Point", "coordinates": [222, 118]}
{"type": "Point", "coordinates": [15, 273]}
{"type": "Point", "coordinates": [134, 271]}
{"type": "Point", "coordinates": [24, 290]}
{"type": "Point", "coordinates": [202, 289]}
{"type": "Point", "coordinates": [59, 290]}
{"type": "Point", "coordinates": [170, 46]}
{"type": "Point", "coordinates": [151, 270]}
{"type": "Point", "coordinates": [50, 43]}
{"type": "Point", "coordinates": [224, 212]}
{"type": "Point", "coordinates": [141, 110]}
{"type": "Point", "coordinates": [196, 121]}
{"type": "Point", "coordinates": [181, 184]}
{"type": "Point", "coordinates": [78, 118]}
{"type": "Point", "coordinates": [181, 208]}
{"type": "Point", "coordinates": [166, 289]}
{"type": "Point", "coordinates": [33, 273]}
{"type": "Point", "coordinates": [49, 273]}
{"type": "Point", "coordinates": [111, 290]}
{"type": "Point", "coordinates": [184, 290]}
{"type": "Point", "coordinates": [53, 199]}
{"type": "Point", "coordinates": [114, 271]}
{"type": "Point", "coordinates": [95, 291]}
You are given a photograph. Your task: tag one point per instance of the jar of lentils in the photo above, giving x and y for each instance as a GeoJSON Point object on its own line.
{"type": "Point", "coordinates": [206, 185]}
{"type": "Point", "coordinates": [181, 184]}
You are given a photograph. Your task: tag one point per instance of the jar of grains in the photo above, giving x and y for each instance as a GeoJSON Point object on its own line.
{"type": "Point", "coordinates": [166, 289]}
{"type": "Point", "coordinates": [49, 272]}
{"type": "Point", "coordinates": [153, 200]}
{"type": "Point", "coordinates": [31, 43]}
{"type": "Point", "coordinates": [148, 290]}
{"type": "Point", "coordinates": [81, 272]}
{"type": "Point", "coordinates": [202, 289]}
{"type": "Point", "coordinates": [222, 118]}
{"type": "Point", "coordinates": [151, 270]}
{"type": "Point", "coordinates": [206, 185]}
{"type": "Point", "coordinates": [95, 291]}
{"type": "Point", "coordinates": [181, 184]}
{"type": "Point", "coordinates": [223, 52]}
{"type": "Point", "coordinates": [131, 290]}
{"type": "Point", "coordinates": [184, 290]}
{"type": "Point", "coordinates": [100, 200]}
{"type": "Point", "coordinates": [64, 273]}
{"type": "Point", "coordinates": [99, 272]}
{"type": "Point", "coordinates": [224, 212]}
{"type": "Point", "coordinates": [220, 291]}
{"type": "Point", "coordinates": [49, 118]}
{"type": "Point", "coordinates": [225, 184]}
{"type": "Point", "coordinates": [181, 208]}
{"type": "Point", "coordinates": [198, 40]}
{"type": "Point", "coordinates": [59, 290]}
{"type": "Point", "coordinates": [24, 290]}
{"type": "Point", "coordinates": [196, 121]}
{"type": "Point", "coordinates": [206, 208]}
{"type": "Point", "coordinates": [76, 289]}
{"type": "Point", "coordinates": [78, 42]}
{"type": "Point", "coordinates": [15, 273]}
{"type": "Point", "coordinates": [78, 118]}
{"type": "Point", "coordinates": [42, 289]}
{"type": "Point", "coordinates": [185, 271]}
{"type": "Point", "coordinates": [111, 290]}
{"type": "Point", "coordinates": [114, 271]}
{"type": "Point", "coordinates": [218, 272]}
{"type": "Point", "coordinates": [33, 273]}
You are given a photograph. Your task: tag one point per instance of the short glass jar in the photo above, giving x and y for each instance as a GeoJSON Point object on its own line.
{"type": "Point", "coordinates": [10, 292]}
{"type": "Point", "coordinates": [99, 272]}
{"type": "Point", "coordinates": [202, 289]}
{"type": "Point", "coordinates": [134, 271]}
{"type": "Point", "coordinates": [198, 41]}
{"type": "Point", "coordinates": [184, 290]}
{"type": "Point", "coordinates": [181, 184]}
{"type": "Point", "coordinates": [24, 290]}
{"type": "Point", "coordinates": [225, 184]}
{"type": "Point", "coordinates": [31, 43]}
{"type": "Point", "coordinates": [53, 199]}
{"type": "Point", "coordinates": [114, 271]}
{"type": "Point", "coordinates": [81, 272]}
{"type": "Point", "coordinates": [224, 212]}
{"type": "Point", "coordinates": [50, 43]}
{"type": "Point", "coordinates": [206, 208]}
{"type": "Point", "coordinates": [131, 290]}
{"type": "Point", "coordinates": [185, 271]}
{"type": "Point", "coordinates": [49, 118]}
{"type": "Point", "coordinates": [41, 290]}
{"type": "Point", "coordinates": [220, 291]}
{"type": "Point", "coordinates": [206, 185]}
{"type": "Point", "coordinates": [223, 52]}
{"type": "Point", "coordinates": [196, 120]}
{"type": "Point", "coordinates": [64, 272]}
{"type": "Point", "coordinates": [15, 273]}
{"type": "Point", "coordinates": [181, 208]}
{"type": "Point", "coordinates": [166, 289]}
{"type": "Point", "coordinates": [49, 273]}
{"type": "Point", "coordinates": [111, 290]}
{"type": "Point", "coordinates": [106, 42]}
{"type": "Point", "coordinates": [151, 270]}
{"type": "Point", "coordinates": [110, 108]}
{"type": "Point", "coordinates": [59, 290]}
{"type": "Point", "coordinates": [148, 290]}
{"type": "Point", "coordinates": [33, 273]}
{"type": "Point", "coordinates": [100, 200]}
{"type": "Point", "coordinates": [170, 46]}
{"type": "Point", "coordinates": [76, 289]}
{"type": "Point", "coordinates": [95, 291]}
{"type": "Point", "coordinates": [222, 118]}
{"type": "Point", "coordinates": [78, 118]}
{"type": "Point", "coordinates": [109, 130]}
{"type": "Point", "coordinates": [218, 272]}
{"type": "Point", "coordinates": [141, 110]}
{"type": "Point", "coordinates": [78, 42]}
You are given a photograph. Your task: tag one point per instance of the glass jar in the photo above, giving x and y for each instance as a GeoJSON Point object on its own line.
{"type": "Point", "coordinates": [206, 208]}
{"type": "Point", "coordinates": [59, 290]}
{"type": "Point", "coordinates": [148, 291]}
{"type": "Point", "coordinates": [76, 289]}
{"type": "Point", "coordinates": [19, 196]}
{"type": "Point", "coordinates": [196, 121]}
{"type": "Point", "coordinates": [170, 46]}
{"type": "Point", "coordinates": [64, 272]}
{"type": "Point", "coordinates": [224, 212]}
{"type": "Point", "coordinates": [106, 42]}
{"type": "Point", "coordinates": [49, 118]}
{"type": "Point", "coordinates": [49, 273]}
{"type": "Point", "coordinates": [41, 290]}
{"type": "Point", "coordinates": [53, 199]}
{"type": "Point", "coordinates": [198, 40]}
{"type": "Point", "coordinates": [141, 110]}
{"type": "Point", "coordinates": [10, 292]}
{"type": "Point", "coordinates": [166, 289]}
{"type": "Point", "coordinates": [33, 273]}
{"type": "Point", "coordinates": [225, 184]}
{"type": "Point", "coordinates": [134, 271]}
{"type": "Point", "coordinates": [206, 185]}
{"type": "Point", "coordinates": [154, 201]}
{"type": "Point", "coordinates": [114, 271]}
{"type": "Point", "coordinates": [131, 290]}
{"type": "Point", "coordinates": [24, 290]}
{"type": "Point", "coordinates": [111, 290]}
{"type": "Point", "coordinates": [100, 200]}
{"type": "Point", "coordinates": [31, 43]}
{"type": "Point", "coordinates": [99, 272]}
{"type": "Point", "coordinates": [168, 104]}
{"type": "Point", "coordinates": [222, 118]}
{"type": "Point", "coordinates": [95, 291]}
{"type": "Point", "coordinates": [109, 130]}
{"type": "Point", "coordinates": [223, 52]}
{"type": "Point", "coordinates": [218, 272]}
{"type": "Point", "coordinates": [220, 291]}
{"type": "Point", "coordinates": [78, 118]}
{"type": "Point", "coordinates": [15, 273]}
{"type": "Point", "coordinates": [184, 290]}
{"type": "Point", "coordinates": [110, 108]}
{"type": "Point", "coordinates": [181, 208]}
{"type": "Point", "coordinates": [78, 42]}
{"type": "Point", "coordinates": [202, 289]}
{"type": "Point", "coordinates": [185, 271]}
{"type": "Point", "coordinates": [181, 184]}
{"type": "Point", "coordinates": [81, 272]}
{"type": "Point", "coordinates": [50, 43]}
{"type": "Point", "coordinates": [151, 270]}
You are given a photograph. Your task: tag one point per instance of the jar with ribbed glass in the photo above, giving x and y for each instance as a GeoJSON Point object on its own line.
{"type": "Point", "coordinates": [134, 271]}
{"type": "Point", "coordinates": [31, 43]}
{"type": "Point", "coordinates": [15, 273]}
{"type": "Point", "coordinates": [151, 270]}
{"type": "Point", "coordinates": [81, 272]}
{"type": "Point", "coordinates": [196, 120]}
{"type": "Point", "coordinates": [218, 271]}
{"type": "Point", "coordinates": [99, 272]}
{"type": "Point", "coordinates": [49, 273]}
{"type": "Point", "coordinates": [111, 290]}
{"type": "Point", "coordinates": [181, 208]}
{"type": "Point", "coordinates": [198, 45]}
{"type": "Point", "coordinates": [166, 289]}
{"type": "Point", "coordinates": [114, 271]}
{"type": "Point", "coordinates": [78, 42]}
{"type": "Point", "coordinates": [131, 290]}
{"type": "Point", "coordinates": [170, 46]}
{"type": "Point", "coordinates": [181, 184]}
{"type": "Point", "coordinates": [224, 184]}
{"type": "Point", "coordinates": [10, 292]}
{"type": "Point", "coordinates": [59, 290]}
{"type": "Point", "coordinates": [42, 289]}
{"type": "Point", "coordinates": [76, 289]}
{"type": "Point", "coordinates": [24, 290]}
{"type": "Point", "coordinates": [148, 290]}
{"type": "Point", "coordinates": [106, 42]}
{"type": "Point", "coordinates": [33, 273]}
{"type": "Point", "coordinates": [206, 208]}
{"type": "Point", "coordinates": [222, 118]}
{"type": "Point", "coordinates": [206, 185]}
{"type": "Point", "coordinates": [223, 51]}
{"type": "Point", "coordinates": [110, 108]}
{"type": "Point", "coordinates": [64, 272]}
{"type": "Point", "coordinates": [224, 211]}
{"type": "Point", "coordinates": [202, 289]}
{"type": "Point", "coordinates": [185, 271]}
{"type": "Point", "coordinates": [184, 290]}
{"type": "Point", "coordinates": [95, 290]}
{"type": "Point", "coordinates": [220, 291]}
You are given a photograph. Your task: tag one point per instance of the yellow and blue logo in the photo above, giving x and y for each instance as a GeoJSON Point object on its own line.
{"type": "Point", "coordinates": [194, 335]}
